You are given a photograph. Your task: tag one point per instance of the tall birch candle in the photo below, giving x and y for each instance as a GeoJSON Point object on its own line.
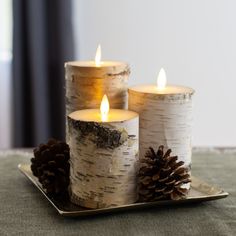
{"type": "Point", "coordinates": [88, 81]}
{"type": "Point", "coordinates": [165, 117]}
{"type": "Point", "coordinates": [104, 156]}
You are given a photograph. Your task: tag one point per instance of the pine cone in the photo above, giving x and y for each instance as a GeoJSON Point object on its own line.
{"type": "Point", "coordinates": [50, 165]}
{"type": "Point", "coordinates": [161, 176]}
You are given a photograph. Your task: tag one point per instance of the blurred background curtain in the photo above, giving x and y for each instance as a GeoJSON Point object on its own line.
{"type": "Point", "coordinates": [42, 42]}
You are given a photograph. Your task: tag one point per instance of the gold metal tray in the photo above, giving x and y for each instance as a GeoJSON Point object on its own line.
{"type": "Point", "coordinates": [199, 192]}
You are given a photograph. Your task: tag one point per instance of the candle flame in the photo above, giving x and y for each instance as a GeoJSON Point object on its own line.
{"type": "Point", "coordinates": [161, 79]}
{"type": "Point", "coordinates": [104, 108]}
{"type": "Point", "coordinates": [98, 56]}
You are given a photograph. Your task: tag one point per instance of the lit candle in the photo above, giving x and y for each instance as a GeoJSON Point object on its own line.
{"type": "Point", "coordinates": [165, 116]}
{"type": "Point", "coordinates": [87, 81]}
{"type": "Point", "coordinates": [104, 108]}
{"type": "Point", "coordinates": [98, 56]}
{"type": "Point", "coordinates": [104, 156]}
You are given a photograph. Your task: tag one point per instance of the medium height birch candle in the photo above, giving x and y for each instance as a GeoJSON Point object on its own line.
{"type": "Point", "coordinates": [88, 81]}
{"type": "Point", "coordinates": [104, 156]}
{"type": "Point", "coordinates": [165, 117]}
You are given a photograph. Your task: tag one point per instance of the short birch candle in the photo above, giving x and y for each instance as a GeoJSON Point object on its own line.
{"type": "Point", "coordinates": [165, 117]}
{"type": "Point", "coordinates": [104, 156]}
{"type": "Point", "coordinates": [88, 81]}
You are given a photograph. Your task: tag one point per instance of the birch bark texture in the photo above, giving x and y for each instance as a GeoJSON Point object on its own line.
{"type": "Point", "coordinates": [104, 161]}
{"type": "Point", "coordinates": [165, 119]}
{"type": "Point", "coordinates": [86, 84]}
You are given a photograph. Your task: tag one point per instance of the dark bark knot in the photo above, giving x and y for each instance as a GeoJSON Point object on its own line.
{"type": "Point", "coordinates": [103, 137]}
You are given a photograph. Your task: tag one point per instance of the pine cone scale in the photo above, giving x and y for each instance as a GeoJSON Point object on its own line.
{"type": "Point", "coordinates": [170, 182]}
{"type": "Point", "coordinates": [172, 160]}
{"type": "Point", "coordinates": [163, 179]}
{"type": "Point", "coordinates": [167, 191]}
{"type": "Point", "coordinates": [156, 177]}
{"type": "Point", "coordinates": [160, 190]}
{"type": "Point", "coordinates": [179, 170]}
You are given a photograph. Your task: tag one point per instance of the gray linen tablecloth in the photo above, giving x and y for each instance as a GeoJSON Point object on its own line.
{"type": "Point", "coordinates": [24, 211]}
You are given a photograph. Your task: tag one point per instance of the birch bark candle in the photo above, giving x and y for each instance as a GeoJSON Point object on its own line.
{"type": "Point", "coordinates": [88, 81]}
{"type": "Point", "coordinates": [104, 156]}
{"type": "Point", "coordinates": [165, 117]}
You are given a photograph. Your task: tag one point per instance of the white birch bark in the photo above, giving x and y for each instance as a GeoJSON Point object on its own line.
{"type": "Point", "coordinates": [164, 120]}
{"type": "Point", "coordinates": [105, 174]}
{"type": "Point", "coordinates": [85, 86]}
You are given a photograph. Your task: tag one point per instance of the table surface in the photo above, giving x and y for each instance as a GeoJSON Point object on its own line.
{"type": "Point", "coordinates": [24, 211]}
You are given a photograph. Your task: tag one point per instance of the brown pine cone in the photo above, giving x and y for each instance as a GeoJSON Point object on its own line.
{"type": "Point", "coordinates": [51, 166]}
{"type": "Point", "coordinates": [161, 176]}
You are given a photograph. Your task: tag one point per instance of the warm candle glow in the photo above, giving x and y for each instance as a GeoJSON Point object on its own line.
{"type": "Point", "coordinates": [104, 108]}
{"type": "Point", "coordinates": [161, 79]}
{"type": "Point", "coordinates": [98, 56]}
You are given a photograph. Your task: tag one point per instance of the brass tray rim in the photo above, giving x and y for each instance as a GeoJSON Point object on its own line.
{"type": "Point", "coordinates": [86, 212]}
